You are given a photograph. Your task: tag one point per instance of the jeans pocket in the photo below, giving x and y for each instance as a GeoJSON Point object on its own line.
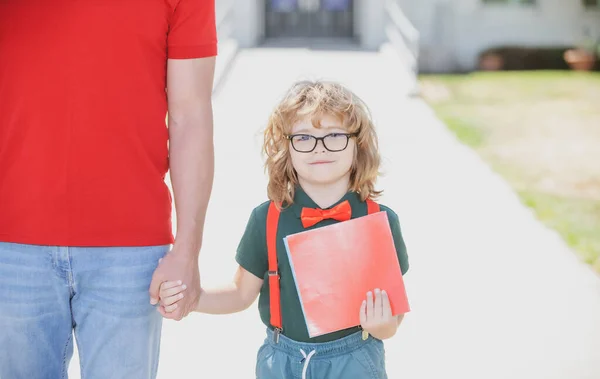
{"type": "Point", "coordinates": [371, 357]}
{"type": "Point", "coordinates": [376, 351]}
{"type": "Point", "coordinates": [264, 349]}
{"type": "Point", "coordinates": [263, 369]}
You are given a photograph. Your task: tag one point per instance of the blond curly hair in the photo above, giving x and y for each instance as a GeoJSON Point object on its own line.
{"type": "Point", "coordinates": [315, 99]}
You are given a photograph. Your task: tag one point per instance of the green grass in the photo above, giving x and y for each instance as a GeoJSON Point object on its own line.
{"type": "Point", "coordinates": [526, 125]}
{"type": "Point", "coordinates": [465, 129]}
{"type": "Point", "coordinates": [577, 220]}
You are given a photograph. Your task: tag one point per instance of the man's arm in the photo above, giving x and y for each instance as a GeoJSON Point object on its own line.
{"type": "Point", "coordinates": [191, 155]}
{"type": "Point", "coordinates": [189, 92]}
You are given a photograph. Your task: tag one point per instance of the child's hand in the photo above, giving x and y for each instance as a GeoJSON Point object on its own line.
{"type": "Point", "coordinates": [376, 315]}
{"type": "Point", "coordinates": [170, 293]}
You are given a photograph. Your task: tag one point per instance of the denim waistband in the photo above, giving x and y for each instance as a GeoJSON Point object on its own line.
{"type": "Point", "coordinates": [323, 349]}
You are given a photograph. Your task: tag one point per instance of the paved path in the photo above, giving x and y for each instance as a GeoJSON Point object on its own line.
{"type": "Point", "coordinates": [494, 294]}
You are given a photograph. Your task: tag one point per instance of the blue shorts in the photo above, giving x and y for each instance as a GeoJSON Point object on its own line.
{"type": "Point", "coordinates": [350, 357]}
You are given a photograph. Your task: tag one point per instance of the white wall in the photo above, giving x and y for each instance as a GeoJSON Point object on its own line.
{"type": "Point", "coordinates": [369, 19]}
{"type": "Point", "coordinates": [249, 22]}
{"type": "Point", "coordinates": [225, 18]}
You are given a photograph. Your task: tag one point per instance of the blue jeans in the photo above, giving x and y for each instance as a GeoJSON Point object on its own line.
{"type": "Point", "coordinates": [100, 294]}
{"type": "Point", "coordinates": [347, 358]}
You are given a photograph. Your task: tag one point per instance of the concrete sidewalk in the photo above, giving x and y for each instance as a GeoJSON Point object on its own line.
{"type": "Point", "coordinates": [494, 294]}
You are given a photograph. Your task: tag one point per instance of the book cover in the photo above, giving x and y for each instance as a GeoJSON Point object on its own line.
{"type": "Point", "coordinates": [336, 265]}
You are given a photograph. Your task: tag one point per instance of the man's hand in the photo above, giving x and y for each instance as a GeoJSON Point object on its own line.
{"type": "Point", "coordinates": [376, 315]}
{"type": "Point", "coordinates": [177, 265]}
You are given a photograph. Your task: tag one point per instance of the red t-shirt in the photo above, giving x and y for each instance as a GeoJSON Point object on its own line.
{"type": "Point", "coordinates": [83, 137]}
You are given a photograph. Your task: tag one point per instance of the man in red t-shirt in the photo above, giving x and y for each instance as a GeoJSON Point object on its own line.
{"type": "Point", "coordinates": [85, 214]}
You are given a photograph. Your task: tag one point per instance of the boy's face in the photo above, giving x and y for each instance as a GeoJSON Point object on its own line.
{"type": "Point", "coordinates": [321, 166]}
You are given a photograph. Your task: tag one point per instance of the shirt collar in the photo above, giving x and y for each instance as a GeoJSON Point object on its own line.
{"type": "Point", "coordinates": [301, 200]}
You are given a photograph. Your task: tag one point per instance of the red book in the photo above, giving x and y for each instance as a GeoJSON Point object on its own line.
{"type": "Point", "coordinates": [335, 266]}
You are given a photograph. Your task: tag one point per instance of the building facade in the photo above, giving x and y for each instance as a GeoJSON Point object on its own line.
{"type": "Point", "coordinates": [433, 35]}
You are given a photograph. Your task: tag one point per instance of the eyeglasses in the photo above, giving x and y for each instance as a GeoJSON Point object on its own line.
{"type": "Point", "coordinates": [334, 142]}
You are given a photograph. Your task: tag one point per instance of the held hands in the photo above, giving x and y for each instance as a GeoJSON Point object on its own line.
{"type": "Point", "coordinates": [170, 293]}
{"type": "Point", "coordinates": [376, 315]}
{"type": "Point", "coordinates": [177, 265]}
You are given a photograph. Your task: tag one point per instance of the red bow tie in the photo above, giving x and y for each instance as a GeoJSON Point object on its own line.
{"type": "Point", "coordinates": [311, 216]}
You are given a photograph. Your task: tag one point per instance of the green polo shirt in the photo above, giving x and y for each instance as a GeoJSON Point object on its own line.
{"type": "Point", "coordinates": [252, 256]}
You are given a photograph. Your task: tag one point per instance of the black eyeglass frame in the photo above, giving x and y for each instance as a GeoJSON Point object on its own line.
{"type": "Point", "coordinates": [290, 137]}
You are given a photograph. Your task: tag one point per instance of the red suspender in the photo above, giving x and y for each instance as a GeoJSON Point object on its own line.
{"type": "Point", "coordinates": [274, 294]}
{"type": "Point", "coordinates": [275, 303]}
{"type": "Point", "coordinates": [372, 207]}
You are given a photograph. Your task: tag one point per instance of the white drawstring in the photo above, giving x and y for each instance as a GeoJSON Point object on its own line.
{"type": "Point", "coordinates": [306, 360]}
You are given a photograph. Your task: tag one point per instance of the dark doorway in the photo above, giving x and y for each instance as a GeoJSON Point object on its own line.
{"type": "Point", "coordinates": [309, 18]}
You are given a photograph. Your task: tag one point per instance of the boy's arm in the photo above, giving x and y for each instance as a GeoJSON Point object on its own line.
{"type": "Point", "coordinates": [233, 298]}
{"type": "Point", "coordinates": [236, 297]}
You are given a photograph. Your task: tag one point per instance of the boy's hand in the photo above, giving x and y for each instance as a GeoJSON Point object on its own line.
{"type": "Point", "coordinates": [170, 293]}
{"type": "Point", "coordinates": [376, 315]}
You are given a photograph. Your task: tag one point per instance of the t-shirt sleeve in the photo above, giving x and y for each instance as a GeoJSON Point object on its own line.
{"type": "Point", "coordinates": [192, 30]}
{"type": "Point", "coordinates": [252, 250]}
{"type": "Point", "coordinates": [398, 240]}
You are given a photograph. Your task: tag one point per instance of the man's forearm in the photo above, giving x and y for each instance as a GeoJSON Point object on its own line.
{"type": "Point", "coordinates": [192, 172]}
